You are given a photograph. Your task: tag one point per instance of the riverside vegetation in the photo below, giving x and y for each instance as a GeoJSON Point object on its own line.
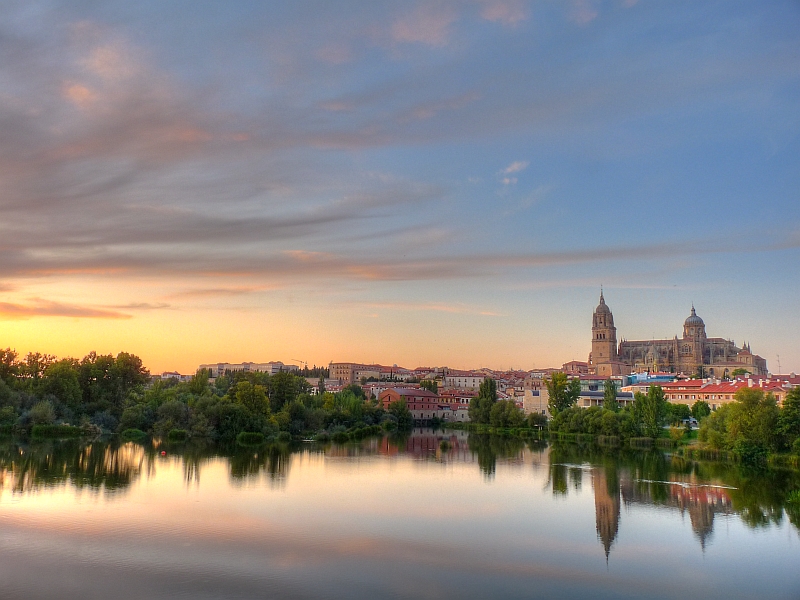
{"type": "Point", "coordinates": [45, 396]}
{"type": "Point", "coordinates": [752, 429]}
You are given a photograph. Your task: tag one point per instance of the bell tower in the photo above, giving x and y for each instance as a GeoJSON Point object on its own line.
{"type": "Point", "coordinates": [604, 340]}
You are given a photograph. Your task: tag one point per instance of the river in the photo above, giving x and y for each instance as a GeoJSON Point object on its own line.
{"type": "Point", "coordinates": [481, 517]}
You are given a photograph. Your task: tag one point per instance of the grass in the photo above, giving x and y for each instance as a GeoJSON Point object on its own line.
{"type": "Point", "coordinates": [250, 438]}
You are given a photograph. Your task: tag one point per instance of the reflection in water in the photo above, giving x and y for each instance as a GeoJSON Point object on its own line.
{"type": "Point", "coordinates": [606, 505]}
{"type": "Point", "coordinates": [700, 490]}
{"type": "Point", "coordinates": [95, 465]}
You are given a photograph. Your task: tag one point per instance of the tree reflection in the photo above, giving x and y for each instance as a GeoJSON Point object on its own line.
{"type": "Point", "coordinates": [703, 490]}
{"type": "Point", "coordinates": [94, 465]}
{"type": "Point", "coordinates": [488, 448]}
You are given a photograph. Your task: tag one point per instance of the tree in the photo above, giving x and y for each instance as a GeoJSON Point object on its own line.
{"type": "Point", "coordinates": [752, 424]}
{"type": "Point", "coordinates": [399, 410]}
{"type": "Point", "coordinates": [252, 397]}
{"type": "Point", "coordinates": [480, 407]}
{"type": "Point", "coordinates": [789, 420]}
{"type": "Point", "coordinates": [9, 367]}
{"type": "Point", "coordinates": [610, 395]}
{"type": "Point", "coordinates": [563, 392]}
{"type": "Point", "coordinates": [678, 412]}
{"type": "Point", "coordinates": [61, 380]}
{"type": "Point", "coordinates": [282, 390]}
{"type": "Point", "coordinates": [651, 410]}
{"type": "Point", "coordinates": [505, 413]}
{"type": "Point", "coordinates": [199, 383]}
{"type": "Point", "coordinates": [739, 372]}
{"type": "Point", "coordinates": [42, 413]}
{"type": "Point", "coordinates": [700, 410]}
{"type": "Point", "coordinates": [430, 385]}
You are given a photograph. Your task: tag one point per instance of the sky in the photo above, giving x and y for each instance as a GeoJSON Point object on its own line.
{"type": "Point", "coordinates": [416, 183]}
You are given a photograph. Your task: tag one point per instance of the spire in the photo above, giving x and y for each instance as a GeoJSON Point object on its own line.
{"type": "Point", "coordinates": [693, 311]}
{"type": "Point", "coordinates": [602, 300]}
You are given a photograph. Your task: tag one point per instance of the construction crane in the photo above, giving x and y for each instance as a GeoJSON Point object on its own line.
{"type": "Point", "coordinates": [302, 362]}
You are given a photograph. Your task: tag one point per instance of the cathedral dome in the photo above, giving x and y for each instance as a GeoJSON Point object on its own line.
{"type": "Point", "coordinates": [693, 320]}
{"type": "Point", "coordinates": [602, 308]}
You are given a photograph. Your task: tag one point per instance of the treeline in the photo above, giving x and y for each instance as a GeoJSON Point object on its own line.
{"type": "Point", "coordinates": [113, 394]}
{"type": "Point", "coordinates": [754, 426]}
{"type": "Point", "coordinates": [751, 427]}
{"type": "Point", "coordinates": [486, 409]}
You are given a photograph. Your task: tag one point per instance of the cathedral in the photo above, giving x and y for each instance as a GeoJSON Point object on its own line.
{"type": "Point", "coordinates": [693, 354]}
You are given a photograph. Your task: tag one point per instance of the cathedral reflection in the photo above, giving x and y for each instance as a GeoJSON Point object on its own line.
{"type": "Point", "coordinates": [612, 490]}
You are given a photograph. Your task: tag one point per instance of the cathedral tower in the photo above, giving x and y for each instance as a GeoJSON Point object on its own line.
{"type": "Point", "coordinates": [604, 340]}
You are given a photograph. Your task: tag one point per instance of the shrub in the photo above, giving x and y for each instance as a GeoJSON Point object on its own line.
{"type": "Point", "coordinates": [42, 413]}
{"type": "Point", "coordinates": [641, 442]}
{"type": "Point", "coordinates": [133, 434]}
{"type": "Point", "coordinates": [178, 435]}
{"type": "Point", "coordinates": [340, 437]}
{"type": "Point", "coordinates": [250, 438]}
{"type": "Point", "coordinates": [676, 433]}
{"type": "Point", "coordinates": [56, 431]}
{"type": "Point", "coordinates": [284, 436]}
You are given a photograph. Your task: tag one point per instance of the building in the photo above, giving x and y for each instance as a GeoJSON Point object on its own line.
{"type": "Point", "coordinates": [348, 373]}
{"type": "Point", "coordinates": [271, 368]}
{"type": "Point", "coordinates": [426, 405]}
{"type": "Point", "coordinates": [693, 353]}
{"type": "Point", "coordinates": [463, 379]}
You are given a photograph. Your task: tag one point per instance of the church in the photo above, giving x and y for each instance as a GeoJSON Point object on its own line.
{"type": "Point", "coordinates": [692, 354]}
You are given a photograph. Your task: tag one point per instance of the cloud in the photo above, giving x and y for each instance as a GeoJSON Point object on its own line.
{"type": "Point", "coordinates": [218, 292]}
{"type": "Point", "coordinates": [38, 307]}
{"type": "Point", "coordinates": [582, 12]}
{"type": "Point", "coordinates": [534, 197]}
{"type": "Point", "coordinates": [427, 24]}
{"type": "Point", "coordinates": [457, 308]}
{"type": "Point", "coordinates": [507, 12]}
{"type": "Point", "coordinates": [141, 306]}
{"type": "Point", "coordinates": [516, 167]}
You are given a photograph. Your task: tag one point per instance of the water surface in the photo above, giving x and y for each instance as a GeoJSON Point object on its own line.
{"type": "Point", "coordinates": [390, 518]}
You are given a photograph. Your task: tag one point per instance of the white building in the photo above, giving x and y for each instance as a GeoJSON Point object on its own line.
{"type": "Point", "coordinates": [271, 368]}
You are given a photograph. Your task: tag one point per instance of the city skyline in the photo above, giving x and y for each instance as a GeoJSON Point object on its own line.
{"type": "Point", "coordinates": [420, 183]}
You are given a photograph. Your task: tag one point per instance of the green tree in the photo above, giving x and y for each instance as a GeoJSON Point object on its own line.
{"type": "Point", "coordinates": [678, 412]}
{"type": "Point", "coordinates": [563, 392]}
{"type": "Point", "coordinates": [61, 379]}
{"type": "Point", "coordinates": [739, 372]}
{"type": "Point", "coordinates": [199, 382]}
{"type": "Point", "coordinates": [505, 413]}
{"type": "Point", "coordinates": [42, 413]}
{"type": "Point", "coordinates": [430, 385]}
{"type": "Point", "coordinates": [9, 367]}
{"type": "Point", "coordinates": [700, 410]}
{"type": "Point", "coordinates": [610, 395]}
{"type": "Point", "coordinates": [480, 407]}
{"type": "Point", "coordinates": [789, 419]}
{"type": "Point", "coordinates": [752, 424]}
{"type": "Point", "coordinates": [399, 410]}
{"type": "Point", "coordinates": [651, 410]}
{"type": "Point", "coordinates": [253, 398]}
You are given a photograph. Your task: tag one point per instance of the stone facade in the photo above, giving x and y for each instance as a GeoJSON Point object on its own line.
{"type": "Point", "coordinates": [692, 354]}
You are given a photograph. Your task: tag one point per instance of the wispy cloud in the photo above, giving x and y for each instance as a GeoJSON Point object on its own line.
{"type": "Point", "coordinates": [456, 308]}
{"type": "Point", "coordinates": [507, 12]}
{"type": "Point", "coordinates": [533, 197]}
{"type": "Point", "coordinates": [515, 167]}
{"type": "Point", "coordinates": [427, 24]}
{"type": "Point", "coordinates": [37, 307]}
{"type": "Point", "coordinates": [582, 12]}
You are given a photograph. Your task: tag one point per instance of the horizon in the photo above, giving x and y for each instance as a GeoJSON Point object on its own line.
{"type": "Point", "coordinates": [414, 183]}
